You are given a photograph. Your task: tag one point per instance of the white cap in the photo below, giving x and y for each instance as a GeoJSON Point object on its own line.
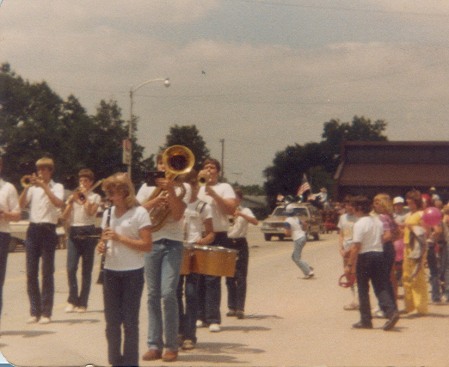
{"type": "Point", "coordinates": [398, 200]}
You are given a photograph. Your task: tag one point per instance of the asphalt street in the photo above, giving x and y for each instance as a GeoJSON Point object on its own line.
{"type": "Point", "coordinates": [289, 321]}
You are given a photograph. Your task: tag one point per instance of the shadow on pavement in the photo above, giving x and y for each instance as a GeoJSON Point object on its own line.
{"type": "Point", "coordinates": [27, 333]}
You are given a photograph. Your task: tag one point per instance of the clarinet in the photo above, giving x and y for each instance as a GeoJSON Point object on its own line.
{"type": "Point", "coordinates": [100, 279]}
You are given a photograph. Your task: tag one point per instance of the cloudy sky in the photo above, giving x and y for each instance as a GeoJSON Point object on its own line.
{"type": "Point", "coordinates": [260, 75]}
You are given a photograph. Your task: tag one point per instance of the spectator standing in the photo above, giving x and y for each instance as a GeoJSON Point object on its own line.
{"type": "Point", "coordinates": [45, 198]}
{"type": "Point", "coordinates": [237, 235]}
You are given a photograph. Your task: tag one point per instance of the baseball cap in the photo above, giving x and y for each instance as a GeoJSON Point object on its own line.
{"type": "Point", "coordinates": [398, 200]}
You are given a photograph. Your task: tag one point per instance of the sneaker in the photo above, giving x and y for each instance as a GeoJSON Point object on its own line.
{"type": "Point", "coordinates": [240, 315]}
{"type": "Point", "coordinates": [310, 275]}
{"type": "Point", "coordinates": [214, 328]}
{"type": "Point", "coordinates": [200, 323]}
{"type": "Point", "coordinates": [32, 320]}
{"type": "Point", "coordinates": [188, 344]}
{"type": "Point", "coordinates": [44, 320]}
{"type": "Point", "coordinates": [379, 314]}
{"type": "Point", "coordinates": [351, 307]}
{"type": "Point", "coordinates": [70, 308]}
{"type": "Point", "coordinates": [81, 309]}
{"type": "Point", "coordinates": [231, 313]}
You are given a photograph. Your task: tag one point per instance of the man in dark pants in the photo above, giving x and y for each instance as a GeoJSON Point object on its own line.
{"type": "Point", "coordinates": [44, 197]}
{"type": "Point", "coordinates": [237, 236]}
{"type": "Point", "coordinates": [367, 253]}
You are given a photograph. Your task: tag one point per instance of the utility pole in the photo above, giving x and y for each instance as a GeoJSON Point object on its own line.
{"type": "Point", "coordinates": [222, 157]}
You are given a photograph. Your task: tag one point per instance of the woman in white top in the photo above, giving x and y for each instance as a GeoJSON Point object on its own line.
{"type": "Point", "coordinates": [80, 212]}
{"type": "Point", "coordinates": [126, 237]}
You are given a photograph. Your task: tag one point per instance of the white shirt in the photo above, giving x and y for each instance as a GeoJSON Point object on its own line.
{"type": "Point", "coordinates": [295, 227]}
{"type": "Point", "coordinates": [240, 227]}
{"type": "Point", "coordinates": [79, 213]}
{"type": "Point", "coordinates": [368, 231]}
{"type": "Point", "coordinates": [42, 209]}
{"type": "Point", "coordinates": [118, 256]}
{"type": "Point", "coordinates": [194, 216]}
{"type": "Point", "coordinates": [219, 219]}
{"type": "Point", "coordinates": [9, 202]}
{"type": "Point", "coordinates": [346, 225]}
{"type": "Point", "coordinates": [172, 229]}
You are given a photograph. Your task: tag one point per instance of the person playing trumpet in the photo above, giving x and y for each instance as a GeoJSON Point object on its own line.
{"type": "Point", "coordinates": [80, 211]}
{"type": "Point", "coordinates": [45, 197]}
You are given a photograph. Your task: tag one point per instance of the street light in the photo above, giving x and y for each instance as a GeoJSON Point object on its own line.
{"type": "Point", "coordinates": [130, 123]}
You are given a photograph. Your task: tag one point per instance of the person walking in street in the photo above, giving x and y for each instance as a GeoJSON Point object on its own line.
{"type": "Point", "coordinates": [294, 229]}
{"type": "Point", "coordinates": [237, 235]}
{"type": "Point", "coordinates": [126, 237]}
{"type": "Point", "coordinates": [9, 211]}
{"type": "Point", "coordinates": [45, 198]}
{"type": "Point", "coordinates": [367, 253]}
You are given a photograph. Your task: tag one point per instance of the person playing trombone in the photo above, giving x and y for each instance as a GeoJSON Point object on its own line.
{"type": "Point", "coordinates": [45, 197]}
{"type": "Point", "coordinates": [80, 211]}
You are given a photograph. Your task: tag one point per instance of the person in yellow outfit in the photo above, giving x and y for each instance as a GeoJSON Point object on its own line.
{"type": "Point", "coordinates": [414, 277]}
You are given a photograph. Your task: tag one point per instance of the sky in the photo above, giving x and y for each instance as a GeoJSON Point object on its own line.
{"type": "Point", "coordinates": [253, 76]}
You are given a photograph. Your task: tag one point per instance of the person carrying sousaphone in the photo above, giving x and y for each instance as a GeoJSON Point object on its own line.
{"type": "Point", "coordinates": [45, 198]}
{"type": "Point", "coordinates": [162, 264]}
{"type": "Point", "coordinates": [80, 211]}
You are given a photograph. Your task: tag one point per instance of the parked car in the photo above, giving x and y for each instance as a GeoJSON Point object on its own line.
{"type": "Point", "coordinates": [19, 231]}
{"type": "Point", "coordinates": [274, 224]}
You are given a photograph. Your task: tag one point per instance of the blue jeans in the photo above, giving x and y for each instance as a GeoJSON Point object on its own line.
{"type": "Point", "coordinates": [162, 266]}
{"type": "Point", "coordinates": [84, 248]}
{"type": "Point", "coordinates": [4, 248]}
{"type": "Point", "coordinates": [296, 255]}
{"type": "Point", "coordinates": [122, 292]}
{"type": "Point", "coordinates": [188, 287]}
{"type": "Point", "coordinates": [41, 242]}
{"type": "Point", "coordinates": [237, 284]}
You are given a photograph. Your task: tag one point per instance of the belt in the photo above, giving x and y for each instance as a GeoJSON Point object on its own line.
{"type": "Point", "coordinates": [42, 225]}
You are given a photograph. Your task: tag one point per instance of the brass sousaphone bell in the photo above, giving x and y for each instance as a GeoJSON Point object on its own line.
{"type": "Point", "coordinates": [178, 160]}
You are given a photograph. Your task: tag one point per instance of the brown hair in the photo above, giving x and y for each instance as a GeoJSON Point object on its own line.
{"type": "Point", "coordinates": [86, 172]}
{"type": "Point", "coordinates": [214, 162]}
{"type": "Point", "coordinates": [121, 183]}
{"type": "Point", "coordinates": [415, 195]}
{"type": "Point", "coordinates": [362, 204]}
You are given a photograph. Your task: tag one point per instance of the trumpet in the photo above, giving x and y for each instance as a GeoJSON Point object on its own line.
{"type": "Point", "coordinates": [28, 180]}
{"type": "Point", "coordinates": [203, 178]}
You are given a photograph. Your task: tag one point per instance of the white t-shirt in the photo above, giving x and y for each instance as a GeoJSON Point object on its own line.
{"type": "Point", "coordinates": [171, 230]}
{"type": "Point", "coordinates": [9, 202]}
{"type": "Point", "coordinates": [42, 209]}
{"type": "Point", "coordinates": [240, 227]}
{"type": "Point", "coordinates": [295, 227]}
{"type": "Point", "coordinates": [194, 216]}
{"type": "Point", "coordinates": [368, 231]}
{"type": "Point", "coordinates": [219, 219]}
{"type": "Point", "coordinates": [346, 225]}
{"type": "Point", "coordinates": [120, 257]}
{"type": "Point", "coordinates": [79, 213]}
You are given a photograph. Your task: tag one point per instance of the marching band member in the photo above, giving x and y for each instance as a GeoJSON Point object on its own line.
{"type": "Point", "coordinates": [198, 230]}
{"type": "Point", "coordinates": [45, 197]}
{"type": "Point", "coordinates": [237, 235]}
{"type": "Point", "coordinates": [221, 197]}
{"type": "Point", "coordinates": [162, 267]}
{"type": "Point", "coordinates": [126, 237]}
{"type": "Point", "coordinates": [80, 212]}
{"type": "Point", "coordinates": [9, 211]}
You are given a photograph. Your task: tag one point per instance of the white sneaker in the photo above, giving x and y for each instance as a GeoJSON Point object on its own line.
{"type": "Point", "coordinates": [44, 320]}
{"type": "Point", "coordinates": [214, 328]}
{"type": "Point", "coordinates": [69, 308]}
{"type": "Point", "coordinates": [32, 320]}
{"type": "Point", "coordinates": [200, 323]}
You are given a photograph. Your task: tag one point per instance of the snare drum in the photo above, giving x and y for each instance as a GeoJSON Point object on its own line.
{"type": "Point", "coordinates": [186, 264]}
{"type": "Point", "coordinates": [214, 260]}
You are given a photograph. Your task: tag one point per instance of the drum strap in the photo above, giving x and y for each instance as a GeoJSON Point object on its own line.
{"type": "Point", "coordinates": [200, 206]}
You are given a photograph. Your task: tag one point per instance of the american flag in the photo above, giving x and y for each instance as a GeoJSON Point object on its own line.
{"type": "Point", "coordinates": [304, 186]}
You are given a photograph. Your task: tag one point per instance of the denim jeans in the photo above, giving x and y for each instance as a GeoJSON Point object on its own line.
{"type": "Point", "coordinates": [371, 267]}
{"type": "Point", "coordinates": [84, 248]}
{"type": "Point", "coordinates": [41, 242]}
{"type": "Point", "coordinates": [188, 289]}
{"type": "Point", "coordinates": [296, 255]}
{"type": "Point", "coordinates": [434, 271]}
{"type": "Point", "coordinates": [4, 248]}
{"type": "Point", "coordinates": [162, 266]}
{"type": "Point", "coordinates": [122, 292]}
{"type": "Point", "coordinates": [237, 284]}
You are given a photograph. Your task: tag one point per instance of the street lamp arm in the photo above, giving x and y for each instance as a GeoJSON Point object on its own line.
{"type": "Point", "coordinates": [166, 83]}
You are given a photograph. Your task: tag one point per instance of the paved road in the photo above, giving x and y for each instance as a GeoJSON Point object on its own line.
{"type": "Point", "coordinates": [290, 321]}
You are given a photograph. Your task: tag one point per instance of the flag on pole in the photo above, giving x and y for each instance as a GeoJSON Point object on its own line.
{"type": "Point", "coordinates": [304, 185]}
